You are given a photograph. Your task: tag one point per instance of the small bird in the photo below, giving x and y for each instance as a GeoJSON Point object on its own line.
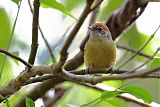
{"type": "Point", "coordinates": [100, 49]}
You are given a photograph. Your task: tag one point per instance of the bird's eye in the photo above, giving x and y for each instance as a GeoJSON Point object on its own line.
{"type": "Point", "coordinates": [99, 29]}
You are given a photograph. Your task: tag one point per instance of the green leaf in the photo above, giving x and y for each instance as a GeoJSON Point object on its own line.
{"type": "Point", "coordinates": [116, 102]}
{"type": "Point", "coordinates": [5, 32]}
{"type": "Point", "coordinates": [155, 63]}
{"type": "Point", "coordinates": [16, 1]}
{"type": "Point", "coordinates": [109, 94]}
{"type": "Point", "coordinates": [6, 101]}
{"type": "Point", "coordinates": [139, 93]}
{"type": "Point", "coordinates": [114, 83]}
{"type": "Point", "coordinates": [14, 60]}
{"type": "Point", "coordinates": [56, 5]}
{"type": "Point", "coordinates": [29, 102]}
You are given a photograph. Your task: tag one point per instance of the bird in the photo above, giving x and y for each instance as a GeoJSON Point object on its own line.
{"type": "Point", "coordinates": [100, 49]}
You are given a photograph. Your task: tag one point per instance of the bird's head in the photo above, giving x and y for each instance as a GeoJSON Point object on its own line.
{"type": "Point", "coordinates": [100, 30]}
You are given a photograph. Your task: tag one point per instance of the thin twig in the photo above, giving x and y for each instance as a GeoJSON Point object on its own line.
{"type": "Point", "coordinates": [134, 51]}
{"type": "Point", "coordinates": [145, 62]}
{"type": "Point", "coordinates": [41, 79]}
{"type": "Point", "coordinates": [139, 49]}
{"type": "Point", "coordinates": [47, 45]}
{"type": "Point", "coordinates": [34, 45]}
{"type": "Point", "coordinates": [42, 34]}
{"type": "Point", "coordinates": [15, 57]}
{"type": "Point", "coordinates": [12, 32]}
{"type": "Point", "coordinates": [44, 56]}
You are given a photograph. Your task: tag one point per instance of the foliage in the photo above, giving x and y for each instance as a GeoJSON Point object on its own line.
{"type": "Point", "coordinates": [29, 102]}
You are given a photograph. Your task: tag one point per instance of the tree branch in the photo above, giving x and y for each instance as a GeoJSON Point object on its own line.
{"type": "Point", "coordinates": [34, 45]}
{"type": "Point", "coordinates": [74, 31]}
{"type": "Point", "coordinates": [134, 51]}
{"type": "Point", "coordinates": [146, 1]}
{"type": "Point", "coordinates": [16, 57]}
{"type": "Point", "coordinates": [97, 79]}
{"type": "Point", "coordinates": [17, 83]}
{"type": "Point", "coordinates": [134, 70]}
{"type": "Point", "coordinates": [39, 90]}
{"type": "Point", "coordinates": [42, 34]}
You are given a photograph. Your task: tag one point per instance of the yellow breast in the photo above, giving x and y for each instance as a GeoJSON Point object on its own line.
{"type": "Point", "coordinates": [100, 54]}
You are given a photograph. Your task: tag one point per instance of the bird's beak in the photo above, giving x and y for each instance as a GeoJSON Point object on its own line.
{"type": "Point", "coordinates": [90, 28]}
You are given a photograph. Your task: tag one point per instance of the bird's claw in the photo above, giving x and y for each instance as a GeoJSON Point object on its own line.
{"type": "Point", "coordinates": [88, 71]}
{"type": "Point", "coordinates": [111, 70]}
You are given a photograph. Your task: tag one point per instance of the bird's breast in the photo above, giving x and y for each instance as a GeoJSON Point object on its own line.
{"type": "Point", "coordinates": [100, 54]}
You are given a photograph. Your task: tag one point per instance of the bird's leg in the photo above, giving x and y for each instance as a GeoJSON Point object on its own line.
{"type": "Point", "coordinates": [88, 70]}
{"type": "Point", "coordinates": [111, 70]}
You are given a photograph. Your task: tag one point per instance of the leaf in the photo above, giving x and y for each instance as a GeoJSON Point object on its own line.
{"type": "Point", "coordinates": [114, 83]}
{"type": "Point", "coordinates": [109, 94]}
{"type": "Point", "coordinates": [14, 60]}
{"type": "Point", "coordinates": [5, 32]}
{"type": "Point", "coordinates": [155, 63]}
{"type": "Point", "coordinates": [116, 102]}
{"type": "Point", "coordinates": [6, 102]}
{"type": "Point", "coordinates": [16, 1]}
{"type": "Point", "coordinates": [29, 102]}
{"type": "Point", "coordinates": [56, 5]}
{"type": "Point", "coordinates": [139, 93]}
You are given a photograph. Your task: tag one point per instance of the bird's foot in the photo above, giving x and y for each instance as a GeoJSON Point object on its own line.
{"type": "Point", "coordinates": [110, 70]}
{"type": "Point", "coordinates": [88, 71]}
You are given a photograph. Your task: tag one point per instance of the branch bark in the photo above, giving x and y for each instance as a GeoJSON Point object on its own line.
{"type": "Point", "coordinates": [16, 57]}
{"type": "Point", "coordinates": [34, 45]}
{"type": "Point", "coordinates": [40, 90]}
{"type": "Point", "coordinates": [134, 51]}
